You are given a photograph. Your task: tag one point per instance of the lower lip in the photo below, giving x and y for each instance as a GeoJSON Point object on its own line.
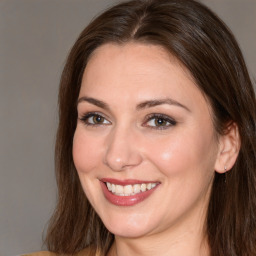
{"type": "Point", "coordinates": [126, 200]}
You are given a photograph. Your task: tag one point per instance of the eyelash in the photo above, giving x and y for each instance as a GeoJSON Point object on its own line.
{"type": "Point", "coordinates": [166, 119]}
{"type": "Point", "coordinates": [86, 117]}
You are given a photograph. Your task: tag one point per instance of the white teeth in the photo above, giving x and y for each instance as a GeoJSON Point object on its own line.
{"type": "Point", "coordinates": [113, 188]}
{"type": "Point", "coordinates": [153, 185]}
{"type": "Point", "coordinates": [109, 186]}
{"type": "Point", "coordinates": [143, 187]}
{"type": "Point", "coordinates": [129, 190]}
{"type": "Point", "coordinates": [119, 189]}
{"type": "Point", "coordinates": [136, 188]}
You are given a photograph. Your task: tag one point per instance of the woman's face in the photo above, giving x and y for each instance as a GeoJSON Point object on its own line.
{"type": "Point", "coordinates": [144, 147]}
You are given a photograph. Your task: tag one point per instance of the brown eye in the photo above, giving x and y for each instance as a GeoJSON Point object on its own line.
{"type": "Point", "coordinates": [160, 122]}
{"type": "Point", "coordinates": [94, 119]}
{"type": "Point", "coordinates": [98, 119]}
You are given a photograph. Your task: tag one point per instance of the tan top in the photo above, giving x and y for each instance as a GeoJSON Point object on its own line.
{"type": "Point", "coordinates": [46, 253]}
{"type": "Point", "coordinates": [40, 254]}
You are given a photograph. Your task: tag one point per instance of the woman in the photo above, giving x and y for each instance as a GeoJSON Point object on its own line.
{"type": "Point", "coordinates": [156, 146]}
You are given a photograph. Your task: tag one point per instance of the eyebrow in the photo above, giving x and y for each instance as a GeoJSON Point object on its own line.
{"type": "Point", "coordinates": [141, 106]}
{"type": "Point", "coordinates": [153, 103]}
{"type": "Point", "coordinates": [94, 101]}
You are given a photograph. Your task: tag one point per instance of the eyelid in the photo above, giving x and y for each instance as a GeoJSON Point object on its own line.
{"type": "Point", "coordinates": [87, 115]}
{"type": "Point", "coordinates": [167, 118]}
{"type": "Point", "coordinates": [171, 122]}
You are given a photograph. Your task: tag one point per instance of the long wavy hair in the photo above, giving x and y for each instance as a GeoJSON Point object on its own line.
{"type": "Point", "coordinates": [206, 47]}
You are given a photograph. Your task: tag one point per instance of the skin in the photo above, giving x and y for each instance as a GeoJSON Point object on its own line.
{"type": "Point", "coordinates": [126, 144]}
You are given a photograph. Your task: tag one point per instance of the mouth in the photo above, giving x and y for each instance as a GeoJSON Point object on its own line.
{"type": "Point", "coordinates": [129, 190]}
{"type": "Point", "coordinates": [127, 193]}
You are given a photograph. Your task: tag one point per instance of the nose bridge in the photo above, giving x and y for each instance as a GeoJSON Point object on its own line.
{"type": "Point", "coordinates": [122, 151]}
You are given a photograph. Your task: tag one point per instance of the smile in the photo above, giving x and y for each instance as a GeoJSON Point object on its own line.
{"type": "Point", "coordinates": [129, 190]}
{"type": "Point", "coordinates": [127, 193]}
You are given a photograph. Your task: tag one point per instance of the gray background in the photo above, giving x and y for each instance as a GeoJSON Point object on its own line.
{"type": "Point", "coordinates": [35, 37]}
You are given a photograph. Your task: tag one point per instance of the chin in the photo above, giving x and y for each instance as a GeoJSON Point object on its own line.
{"type": "Point", "coordinates": [128, 232]}
{"type": "Point", "coordinates": [130, 227]}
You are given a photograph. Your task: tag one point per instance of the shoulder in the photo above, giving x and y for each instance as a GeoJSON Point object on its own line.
{"type": "Point", "coordinates": [84, 252]}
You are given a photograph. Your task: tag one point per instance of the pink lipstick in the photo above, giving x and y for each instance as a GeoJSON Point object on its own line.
{"type": "Point", "coordinates": [127, 192]}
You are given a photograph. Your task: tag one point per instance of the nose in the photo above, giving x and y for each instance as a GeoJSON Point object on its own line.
{"type": "Point", "coordinates": [122, 150]}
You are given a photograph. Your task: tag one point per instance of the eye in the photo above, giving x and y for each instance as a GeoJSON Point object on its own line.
{"type": "Point", "coordinates": [94, 119]}
{"type": "Point", "coordinates": [159, 121]}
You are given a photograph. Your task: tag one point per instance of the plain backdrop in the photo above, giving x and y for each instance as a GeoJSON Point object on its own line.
{"type": "Point", "coordinates": [35, 38]}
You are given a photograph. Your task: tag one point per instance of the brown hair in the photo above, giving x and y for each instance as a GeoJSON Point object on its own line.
{"type": "Point", "coordinates": [206, 47]}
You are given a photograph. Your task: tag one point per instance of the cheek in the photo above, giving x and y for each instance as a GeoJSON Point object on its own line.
{"type": "Point", "coordinates": [169, 156]}
{"type": "Point", "coordinates": [185, 152]}
{"type": "Point", "coordinates": [86, 153]}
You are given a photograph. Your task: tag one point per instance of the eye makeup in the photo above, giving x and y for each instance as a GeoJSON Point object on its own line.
{"type": "Point", "coordinates": [159, 121]}
{"type": "Point", "coordinates": [154, 121]}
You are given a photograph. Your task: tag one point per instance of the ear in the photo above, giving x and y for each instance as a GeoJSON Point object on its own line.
{"type": "Point", "coordinates": [229, 146]}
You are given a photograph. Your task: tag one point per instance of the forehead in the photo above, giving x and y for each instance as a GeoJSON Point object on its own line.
{"type": "Point", "coordinates": [134, 65]}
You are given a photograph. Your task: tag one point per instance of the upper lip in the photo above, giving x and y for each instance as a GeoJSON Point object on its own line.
{"type": "Point", "coordinates": [126, 182]}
